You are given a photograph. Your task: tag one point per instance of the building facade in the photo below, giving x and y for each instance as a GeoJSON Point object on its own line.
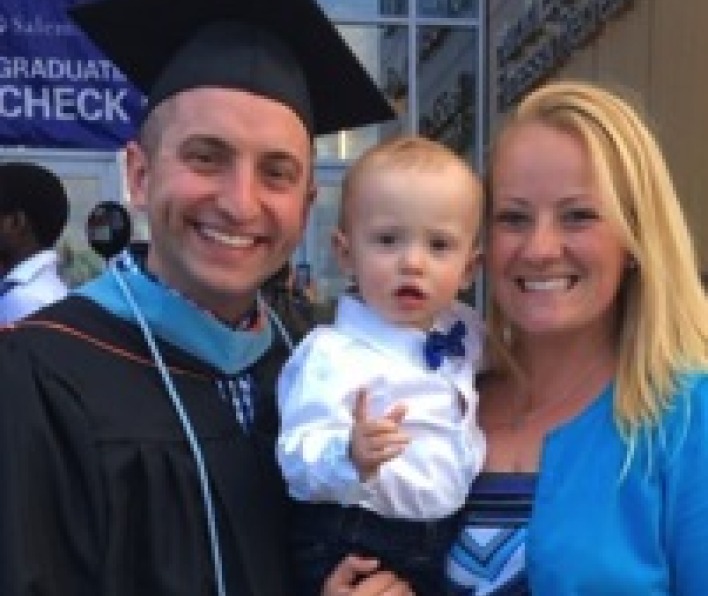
{"type": "Point", "coordinates": [652, 51]}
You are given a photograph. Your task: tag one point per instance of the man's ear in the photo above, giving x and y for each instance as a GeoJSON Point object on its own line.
{"type": "Point", "coordinates": [17, 225]}
{"type": "Point", "coordinates": [311, 193]}
{"type": "Point", "coordinates": [17, 221]}
{"type": "Point", "coordinates": [17, 231]}
{"type": "Point", "coordinates": [310, 196]}
{"type": "Point", "coordinates": [137, 165]}
{"type": "Point", "coordinates": [341, 250]}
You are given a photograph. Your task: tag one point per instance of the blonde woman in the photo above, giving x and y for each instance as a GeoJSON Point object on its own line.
{"type": "Point", "coordinates": [596, 408]}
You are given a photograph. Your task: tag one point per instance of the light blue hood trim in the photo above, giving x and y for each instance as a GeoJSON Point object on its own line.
{"type": "Point", "coordinates": [180, 323]}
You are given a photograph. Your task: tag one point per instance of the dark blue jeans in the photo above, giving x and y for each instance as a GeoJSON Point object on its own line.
{"type": "Point", "coordinates": [324, 533]}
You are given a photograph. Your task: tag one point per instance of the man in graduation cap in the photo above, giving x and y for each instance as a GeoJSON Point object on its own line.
{"type": "Point", "coordinates": [137, 415]}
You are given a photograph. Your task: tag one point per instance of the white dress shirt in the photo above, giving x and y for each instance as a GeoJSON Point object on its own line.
{"type": "Point", "coordinates": [316, 394]}
{"type": "Point", "coordinates": [30, 285]}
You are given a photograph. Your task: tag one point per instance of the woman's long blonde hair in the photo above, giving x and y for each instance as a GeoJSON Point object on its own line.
{"type": "Point", "coordinates": [663, 311]}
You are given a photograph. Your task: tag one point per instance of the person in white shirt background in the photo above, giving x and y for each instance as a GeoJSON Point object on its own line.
{"type": "Point", "coordinates": [34, 210]}
{"type": "Point", "coordinates": [378, 440]}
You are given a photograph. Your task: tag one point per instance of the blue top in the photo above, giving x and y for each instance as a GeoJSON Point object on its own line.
{"type": "Point", "coordinates": [488, 557]}
{"type": "Point", "coordinates": [594, 531]}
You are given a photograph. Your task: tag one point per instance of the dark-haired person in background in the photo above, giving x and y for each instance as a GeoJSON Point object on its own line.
{"type": "Point", "coordinates": [34, 209]}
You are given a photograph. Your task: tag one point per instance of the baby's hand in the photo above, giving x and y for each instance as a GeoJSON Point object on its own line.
{"type": "Point", "coordinates": [375, 440]}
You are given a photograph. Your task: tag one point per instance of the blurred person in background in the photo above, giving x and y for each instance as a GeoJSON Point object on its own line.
{"type": "Point", "coordinates": [34, 210]}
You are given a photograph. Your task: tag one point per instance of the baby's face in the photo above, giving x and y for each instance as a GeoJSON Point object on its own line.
{"type": "Point", "coordinates": [410, 241]}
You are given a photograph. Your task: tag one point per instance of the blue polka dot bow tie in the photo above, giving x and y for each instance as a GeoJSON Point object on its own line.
{"type": "Point", "coordinates": [6, 285]}
{"type": "Point", "coordinates": [438, 345]}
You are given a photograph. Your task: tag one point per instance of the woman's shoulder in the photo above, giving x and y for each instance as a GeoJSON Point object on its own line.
{"type": "Point", "coordinates": [692, 389]}
{"type": "Point", "coordinates": [697, 379]}
{"type": "Point", "coordinates": [685, 421]}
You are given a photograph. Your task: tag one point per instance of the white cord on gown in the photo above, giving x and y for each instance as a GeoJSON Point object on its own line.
{"type": "Point", "coordinates": [188, 431]}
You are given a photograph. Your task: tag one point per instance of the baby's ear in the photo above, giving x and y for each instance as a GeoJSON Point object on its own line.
{"type": "Point", "coordinates": [473, 264]}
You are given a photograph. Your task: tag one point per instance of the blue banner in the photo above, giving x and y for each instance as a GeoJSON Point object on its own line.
{"type": "Point", "coordinates": [57, 90]}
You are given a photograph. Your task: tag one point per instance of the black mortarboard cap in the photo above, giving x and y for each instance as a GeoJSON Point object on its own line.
{"type": "Point", "coordinates": [38, 193]}
{"type": "Point", "coordinates": [286, 50]}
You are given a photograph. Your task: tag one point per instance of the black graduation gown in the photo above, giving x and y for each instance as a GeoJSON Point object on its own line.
{"type": "Point", "coordinates": [100, 494]}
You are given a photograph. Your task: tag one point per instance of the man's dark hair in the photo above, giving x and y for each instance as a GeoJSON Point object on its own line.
{"type": "Point", "coordinates": [39, 194]}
